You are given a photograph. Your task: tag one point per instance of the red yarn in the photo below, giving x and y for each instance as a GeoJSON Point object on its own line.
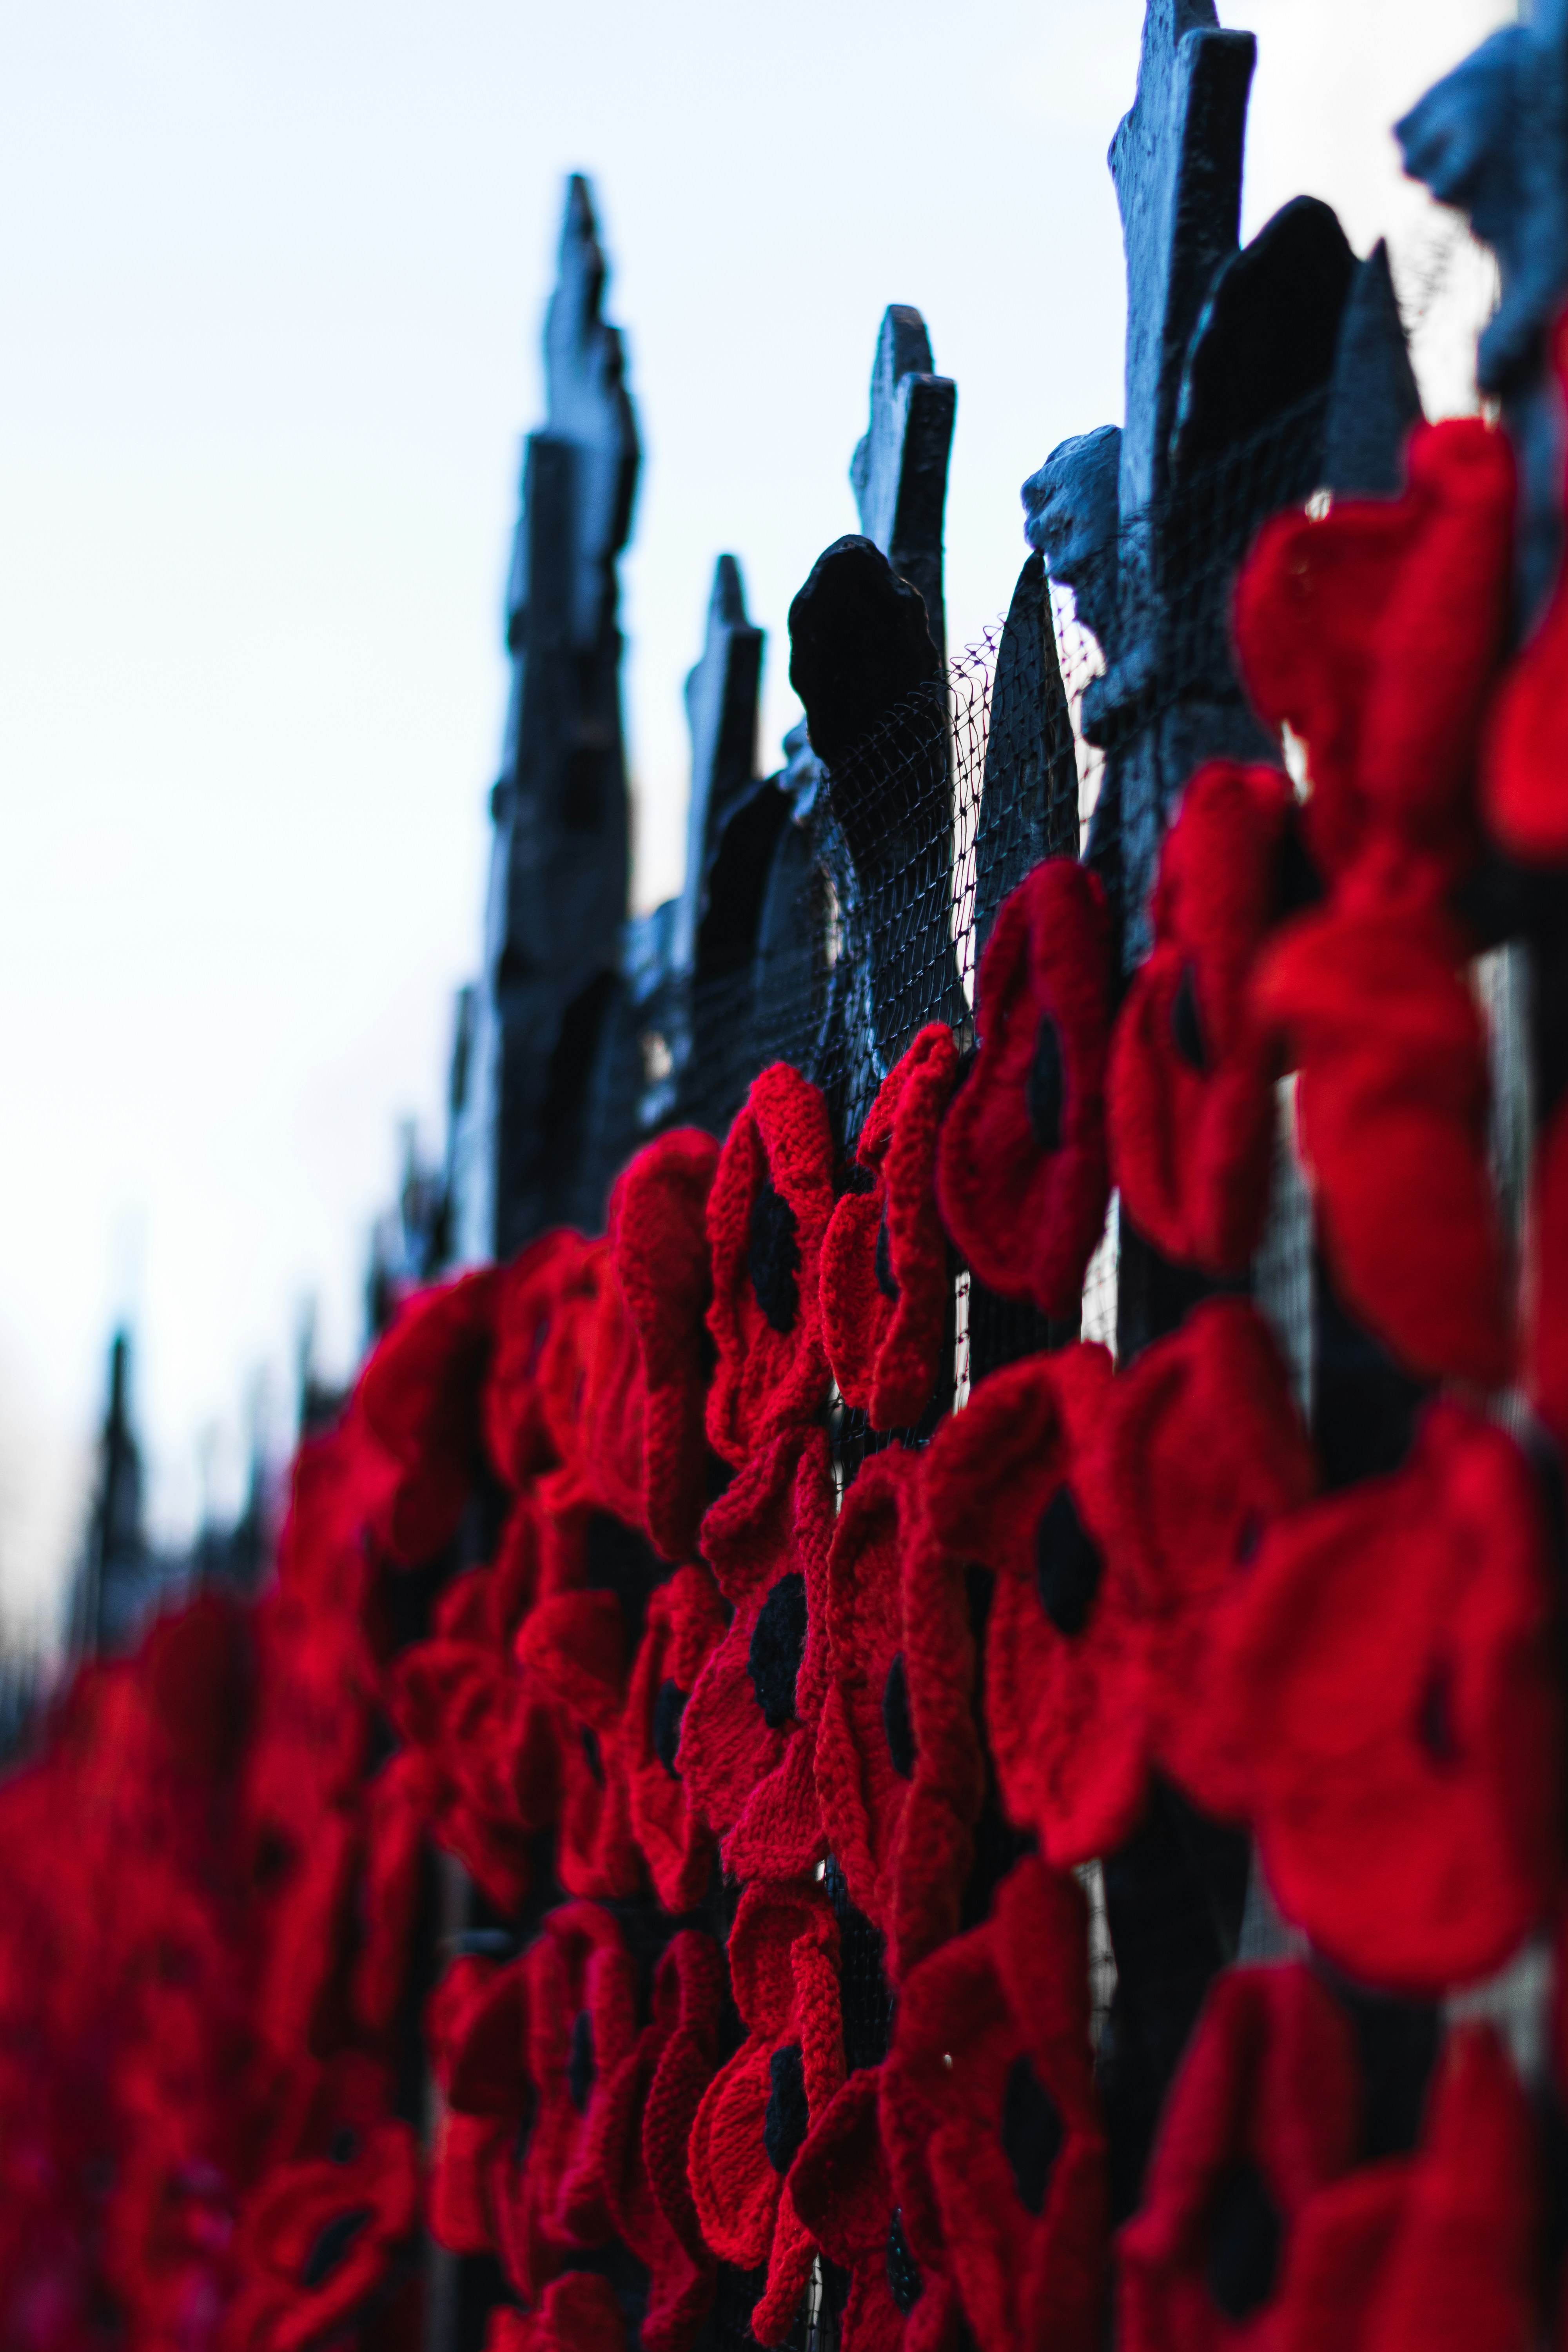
{"type": "Point", "coordinates": [475, 2028]}
{"type": "Point", "coordinates": [1387, 1679]}
{"type": "Point", "coordinates": [884, 1261]}
{"type": "Point", "coordinates": [767, 1213]}
{"type": "Point", "coordinates": [530, 1291]}
{"type": "Point", "coordinates": [573, 1650]}
{"type": "Point", "coordinates": [460, 1707]}
{"type": "Point", "coordinates": [1191, 1087]}
{"type": "Point", "coordinates": [293, 2297]}
{"type": "Point", "coordinates": [686, 1620]}
{"type": "Point", "coordinates": [1064, 1708]}
{"type": "Point", "coordinates": [1525, 752]}
{"type": "Point", "coordinates": [841, 2190]}
{"type": "Point", "coordinates": [1267, 2100]}
{"type": "Point", "coordinates": [1201, 1451]}
{"type": "Point", "coordinates": [1021, 1173]}
{"type": "Point", "coordinates": [753, 1779]}
{"type": "Point", "coordinates": [1392, 1110]}
{"type": "Point", "coordinates": [1375, 632]}
{"type": "Point", "coordinates": [784, 1969]}
{"type": "Point", "coordinates": [990, 2123]}
{"type": "Point", "coordinates": [418, 1396]}
{"type": "Point", "coordinates": [577, 2313]}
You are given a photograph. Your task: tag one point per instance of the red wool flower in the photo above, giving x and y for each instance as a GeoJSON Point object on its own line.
{"type": "Point", "coordinates": [1525, 755]}
{"type": "Point", "coordinates": [884, 1262]}
{"type": "Point", "coordinates": [1264, 2114]}
{"type": "Point", "coordinates": [309, 1940]}
{"type": "Point", "coordinates": [1009, 1485]}
{"type": "Point", "coordinates": [1374, 634]}
{"type": "Point", "coordinates": [648, 1381]}
{"type": "Point", "coordinates": [990, 2123]}
{"type": "Point", "coordinates": [1387, 1679]}
{"type": "Point", "coordinates": [1392, 1110]}
{"type": "Point", "coordinates": [1191, 1087]}
{"type": "Point", "coordinates": [686, 1621]}
{"type": "Point", "coordinates": [1202, 1449]}
{"type": "Point", "coordinates": [572, 1651]}
{"type": "Point", "coordinates": [865, 1735]}
{"type": "Point", "coordinates": [530, 1294]}
{"type": "Point", "coordinates": [418, 1396]}
{"type": "Point", "coordinates": [577, 2313]}
{"type": "Point", "coordinates": [464, 1710]}
{"type": "Point", "coordinates": [398, 1803]}
{"type": "Point", "coordinates": [475, 2028]}
{"type": "Point", "coordinates": [747, 1734]}
{"type": "Point", "coordinates": [644, 2123]}
{"type": "Point", "coordinates": [1435, 2252]}
{"type": "Point", "coordinates": [841, 2190]}
{"type": "Point", "coordinates": [784, 1970]}
{"type": "Point", "coordinates": [771, 1198]}
{"type": "Point", "coordinates": [319, 2241]}
{"type": "Point", "coordinates": [1021, 1172]}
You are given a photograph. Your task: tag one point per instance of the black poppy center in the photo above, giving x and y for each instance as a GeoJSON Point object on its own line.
{"type": "Point", "coordinates": [1435, 1721]}
{"type": "Point", "coordinates": [772, 1258]}
{"type": "Point", "coordinates": [1243, 2244]}
{"type": "Point", "coordinates": [331, 2243]}
{"type": "Point", "coordinates": [886, 1280]}
{"type": "Point", "coordinates": [904, 2271]}
{"type": "Point", "coordinates": [1031, 2133]}
{"type": "Point", "coordinates": [345, 2144]}
{"type": "Point", "coordinates": [896, 1722]}
{"type": "Point", "coordinates": [1186, 1029]}
{"type": "Point", "coordinates": [580, 2062]}
{"type": "Point", "coordinates": [1248, 1538]}
{"type": "Point", "coordinates": [668, 1707]}
{"type": "Point", "coordinates": [1068, 1564]}
{"type": "Point", "coordinates": [591, 1756]}
{"type": "Point", "coordinates": [1044, 1090]}
{"type": "Point", "coordinates": [786, 2120]}
{"type": "Point", "coordinates": [778, 1644]}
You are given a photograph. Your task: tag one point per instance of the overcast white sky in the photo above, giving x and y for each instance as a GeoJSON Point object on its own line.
{"type": "Point", "coordinates": [272, 278]}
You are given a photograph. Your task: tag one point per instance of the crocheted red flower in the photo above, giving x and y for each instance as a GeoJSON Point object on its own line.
{"type": "Point", "coordinates": [990, 2123]}
{"type": "Point", "coordinates": [577, 2313]}
{"type": "Point", "coordinates": [841, 2190]}
{"type": "Point", "coordinates": [644, 2125]}
{"type": "Point", "coordinates": [1009, 1485]}
{"type": "Point", "coordinates": [1190, 1086]}
{"type": "Point", "coordinates": [648, 1379]}
{"type": "Point", "coordinates": [1202, 1450]}
{"type": "Point", "coordinates": [686, 1621]}
{"type": "Point", "coordinates": [581, 2024]}
{"type": "Point", "coordinates": [754, 2115]}
{"type": "Point", "coordinates": [1375, 632]}
{"type": "Point", "coordinates": [1021, 1174]}
{"type": "Point", "coordinates": [309, 1937]}
{"type": "Point", "coordinates": [1526, 746]}
{"type": "Point", "coordinates": [529, 1293]}
{"type": "Point", "coordinates": [747, 1734]}
{"type": "Point", "coordinates": [475, 2029]}
{"type": "Point", "coordinates": [864, 1734]}
{"type": "Point", "coordinates": [1392, 1113]}
{"type": "Point", "coordinates": [1264, 2114]}
{"type": "Point", "coordinates": [771, 1198]}
{"type": "Point", "coordinates": [573, 1650]}
{"type": "Point", "coordinates": [1435, 2252]}
{"type": "Point", "coordinates": [884, 1260]}
{"type": "Point", "coordinates": [463, 1709]}
{"type": "Point", "coordinates": [1386, 1678]}
{"type": "Point", "coordinates": [398, 1803]}
{"type": "Point", "coordinates": [317, 2239]}
{"type": "Point", "coordinates": [418, 1396]}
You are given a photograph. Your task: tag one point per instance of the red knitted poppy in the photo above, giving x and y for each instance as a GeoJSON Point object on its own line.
{"type": "Point", "coordinates": [566, 1361]}
{"type": "Point", "coordinates": [581, 2023]}
{"type": "Point", "coordinates": [643, 2127]}
{"type": "Point", "coordinates": [577, 2313]}
{"type": "Point", "coordinates": [1392, 1111]}
{"type": "Point", "coordinates": [463, 1710]}
{"type": "Point", "coordinates": [317, 2243]}
{"type": "Point", "coordinates": [573, 1650]}
{"type": "Point", "coordinates": [768, 1211]}
{"type": "Point", "coordinates": [649, 1377]}
{"type": "Point", "coordinates": [1201, 1450]}
{"type": "Point", "coordinates": [865, 1735]}
{"type": "Point", "coordinates": [1374, 634]}
{"type": "Point", "coordinates": [841, 2190]}
{"type": "Point", "coordinates": [1191, 1091]}
{"type": "Point", "coordinates": [418, 1396]}
{"type": "Point", "coordinates": [530, 1291]}
{"type": "Point", "coordinates": [398, 1803]}
{"type": "Point", "coordinates": [747, 1734]}
{"type": "Point", "coordinates": [1387, 1679]}
{"type": "Point", "coordinates": [1010, 1485]}
{"type": "Point", "coordinates": [686, 1620]}
{"type": "Point", "coordinates": [1021, 1175]}
{"type": "Point", "coordinates": [475, 2029]}
{"type": "Point", "coordinates": [1265, 2112]}
{"type": "Point", "coordinates": [990, 2123]}
{"type": "Point", "coordinates": [1435, 2252]}
{"type": "Point", "coordinates": [309, 1938]}
{"type": "Point", "coordinates": [754, 2115]}
{"type": "Point", "coordinates": [885, 1281]}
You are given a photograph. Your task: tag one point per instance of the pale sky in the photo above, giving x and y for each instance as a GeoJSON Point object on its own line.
{"type": "Point", "coordinates": [272, 279]}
